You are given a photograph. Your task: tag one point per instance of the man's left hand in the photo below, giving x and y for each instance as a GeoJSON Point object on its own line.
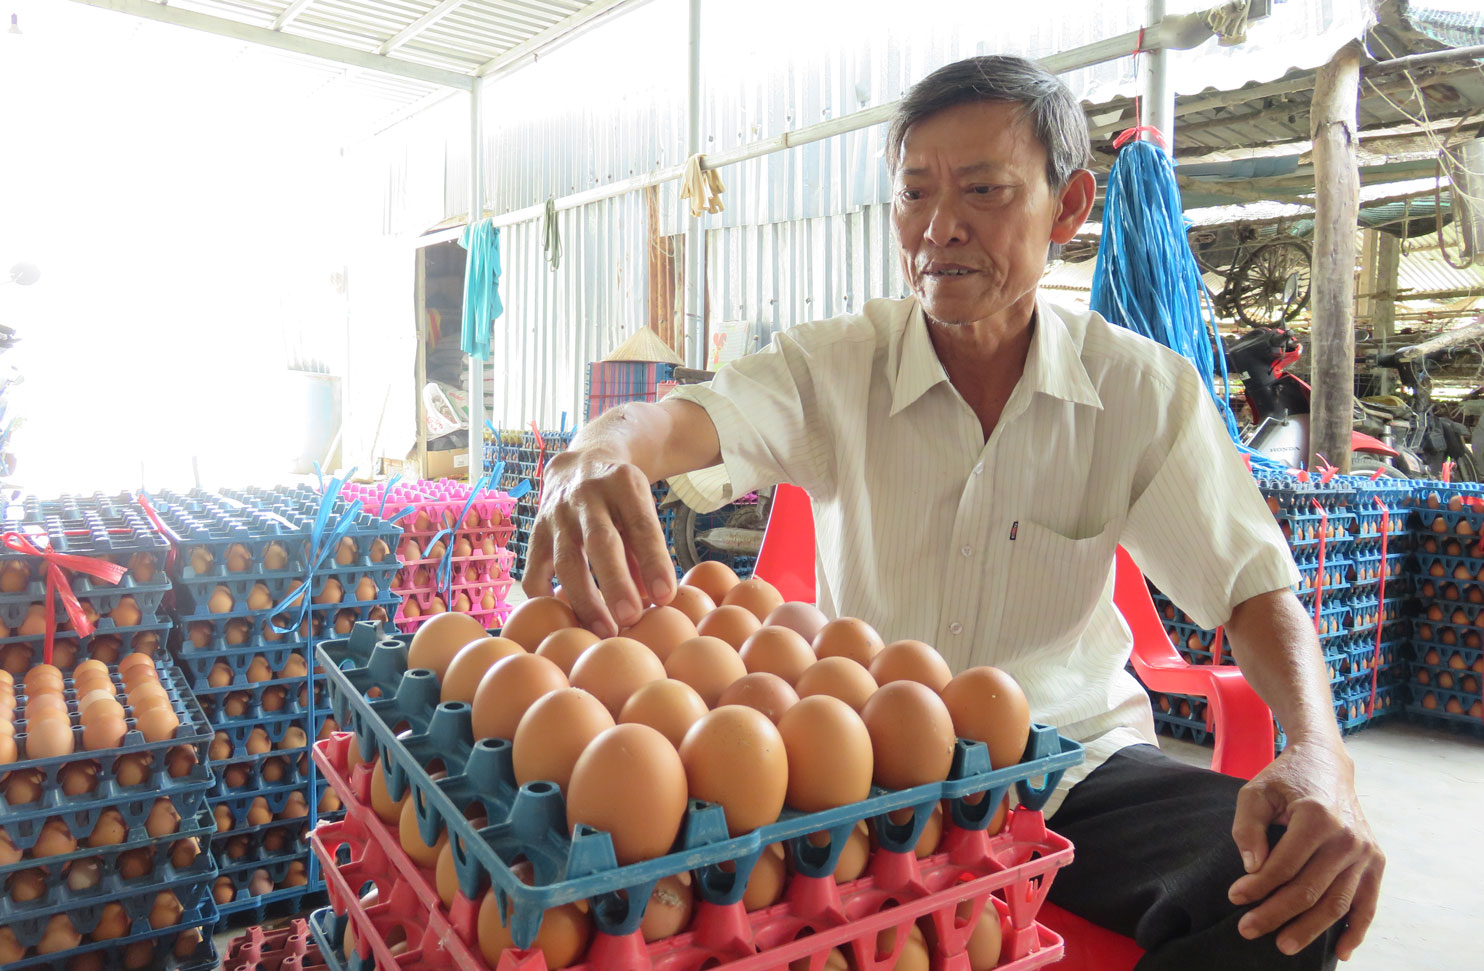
{"type": "Point", "coordinates": [1326, 867]}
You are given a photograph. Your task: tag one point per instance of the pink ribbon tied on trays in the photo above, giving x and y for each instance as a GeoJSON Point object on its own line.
{"type": "Point", "coordinates": [59, 585]}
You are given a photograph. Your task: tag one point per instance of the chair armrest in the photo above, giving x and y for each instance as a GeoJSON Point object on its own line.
{"type": "Point", "coordinates": [1241, 720]}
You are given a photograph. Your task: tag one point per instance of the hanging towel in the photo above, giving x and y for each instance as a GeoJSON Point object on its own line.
{"type": "Point", "coordinates": [553, 235]}
{"type": "Point", "coordinates": [481, 287]}
{"type": "Point", "coordinates": [702, 187]}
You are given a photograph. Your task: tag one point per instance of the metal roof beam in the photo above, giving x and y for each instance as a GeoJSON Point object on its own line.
{"type": "Point", "coordinates": [292, 43]}
{"type": "Point", "coordinates": [550, 35]}
{"type": "Point", "coordinates": [419, 25]}
{"type": "Point", "coordinates": [289, 13]}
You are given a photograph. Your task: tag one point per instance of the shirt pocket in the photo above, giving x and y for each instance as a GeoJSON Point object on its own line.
{"type": "Point", "coordinates": [1053, 585]}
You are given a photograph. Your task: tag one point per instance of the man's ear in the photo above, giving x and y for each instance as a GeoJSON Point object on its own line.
{"type": "Point", "coordinates": [1073, 204]}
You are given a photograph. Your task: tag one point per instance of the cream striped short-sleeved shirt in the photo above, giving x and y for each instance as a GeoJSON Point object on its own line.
{"type": "Point", "coordinates": [1001, 551]}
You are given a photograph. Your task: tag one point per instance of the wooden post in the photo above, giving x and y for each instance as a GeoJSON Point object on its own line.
{"type": "Point", "coordinates": [1332, 126]}
{"type": "Point", "coordinates": [1383, 316]}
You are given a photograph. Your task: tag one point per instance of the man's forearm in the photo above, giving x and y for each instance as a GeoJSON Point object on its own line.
{"type": "Point", "coordinates": [1273, 641]}
{"type": "Point", "coordinates": [660, 439]}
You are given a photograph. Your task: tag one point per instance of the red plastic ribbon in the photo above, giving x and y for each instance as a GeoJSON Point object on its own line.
{"type": "Point", "coordinates": [1130, 134]}
{"type": "Point", "coordinates": [159, 524]}
{"type": "Point", "coordinates": [1319, 576]}
{"type": "Point", "coordinates": [1381, 609]}
{"type": "Point", "coordinates": [59, 585]}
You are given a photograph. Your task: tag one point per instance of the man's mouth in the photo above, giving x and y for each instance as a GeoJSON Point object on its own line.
{"type": "Point", "coordinates": [946, 270]}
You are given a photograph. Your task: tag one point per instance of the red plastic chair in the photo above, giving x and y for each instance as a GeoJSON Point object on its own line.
{"type": "Point", "coordinates": [1242, 722]}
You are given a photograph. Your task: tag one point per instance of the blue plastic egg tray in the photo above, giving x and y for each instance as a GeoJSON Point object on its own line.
{"type": "Point", "coordinates": [198, 827]}
{"type": "Point", "coordinates": [199, 913]}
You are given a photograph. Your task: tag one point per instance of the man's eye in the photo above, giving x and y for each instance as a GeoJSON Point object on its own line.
{"type": "Point", "coordinates": [911, 195]}
{"type": "Point", "coordinates": [983, 190]}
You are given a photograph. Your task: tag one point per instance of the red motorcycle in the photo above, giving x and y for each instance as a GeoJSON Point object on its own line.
{"type": "Point", "coordinates": [1279, 403]}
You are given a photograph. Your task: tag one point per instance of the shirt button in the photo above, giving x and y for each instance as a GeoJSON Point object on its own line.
{"type": "Point", "coordinates": [979, 469]}
{"type": "Point", "coordinates": [966, 551]}
{"type": "Point", "coordinates": [955, 628]}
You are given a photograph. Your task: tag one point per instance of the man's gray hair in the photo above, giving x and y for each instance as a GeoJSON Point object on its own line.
{"type": "Point", "coordinates": [1060, 124]}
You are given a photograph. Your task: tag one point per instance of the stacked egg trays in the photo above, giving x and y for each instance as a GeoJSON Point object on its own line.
{"type": "Point", "coordinates": [480, 575]}
{"type": "Point", "coordinates": [292, 948]}
{"type": "Point", "coordinates": [376, 696]}
{"type": "Point", "coordinates": [524, 455]}
{"type": "Point", "coordinates": [238, 554]}
{"type": "Point", "coordinates": [127, 616]}
{"type": "Point", "coordinates": [102, 860]}
{"type": "Point", "coordinates": [1446, 657]}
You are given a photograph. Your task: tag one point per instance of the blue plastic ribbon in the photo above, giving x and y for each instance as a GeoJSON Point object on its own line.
{"type": "Point", "coordinates": [445, 563]}
{"type": "Point", "coordinates": [521, 488]}
{"type": "Point", "coordinates": [387, 494]}
{"type": "Point", "coordinates": [321, 545]}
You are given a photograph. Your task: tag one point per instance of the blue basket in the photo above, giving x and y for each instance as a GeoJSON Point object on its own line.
{"type": "Point", "coordinates": [532, 818]}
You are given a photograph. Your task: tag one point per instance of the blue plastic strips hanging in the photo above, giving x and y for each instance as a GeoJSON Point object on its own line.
{"type": "Point", "coordinates": [1146, 277]}
{"type": "Point", "coordinates": [481, 287]}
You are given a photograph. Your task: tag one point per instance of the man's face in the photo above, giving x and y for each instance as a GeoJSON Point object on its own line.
{"type": "Point", "coordinates": [973, 213]}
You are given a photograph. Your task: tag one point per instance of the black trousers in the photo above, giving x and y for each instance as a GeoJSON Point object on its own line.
{"type": "Point", "coordinates": [1154, 860]}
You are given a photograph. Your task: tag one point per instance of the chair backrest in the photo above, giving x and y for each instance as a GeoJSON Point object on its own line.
{"type": "Point", "coordinates": [1132, 598]}
{"type": "Point", "coordinates": [786, 559]}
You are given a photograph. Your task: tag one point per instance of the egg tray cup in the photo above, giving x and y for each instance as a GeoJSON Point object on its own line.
{"type": "Point", "coordinates": [1473, 565]}
{"type": "Point", "coordinates": [213, 700]}
{"type": "Point", "coordinates": [193, 596]}
{"type": "Point", "coordinates": [292, 948]}
{"type": "Point", "coordinates": [102, 597]}
{"type": "Point", "coordinates": [1464, 724]}
{"type": "Point", "coordinates": [1464, 588]}
{"type": "Point", "coordinates": [1418, 651]}
{"type": "Point", "coordinates": [131, 640]}
{"type": "Point", "coordinates": [1187, 729]}
{"type": "Point", "coordinates": [1429, 634]}
{"type": "Point", "coordinates": [253, 764]}
{"type": "Point", "coordinates": [530, 821]}
{"type": "Point", "coordinates": [466, 571]}
{"type": "Point", "coordinates": [257, 641]}
{"type": "Point", "coordinates": [273, 725]}
{"type": "Point", "coordinates": [198, 827]}
{"type": "Point", "coordinates": [28, 920]}
{"type": "Point", "coordinates": [1423, 522]}
{"type": "Point", "coordinates": [197, 663]}
{"type": "Point", "coordinates": [286, 902]}
{"type": "Point", "coordinates": [201, 914]}
{"type": "Point", "coordinates": [1444, 695]}
{"type": "Point", "coordinates": [296, 843]}
{"type": "Point", "coordinates": [276, 798]}
{"type": "Point", "coordinates": [241, 871]}
{"type": "Point", "coordinates": [22, 822]}
{"type": "Point", "coordinates": [323, 617]}
{"type": "Point", "coordinates": [488, 619]}
{"type": "Point", "coordinates": [1012, 870]}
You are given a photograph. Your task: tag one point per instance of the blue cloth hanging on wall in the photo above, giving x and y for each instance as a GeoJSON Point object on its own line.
{"type": "Point", "coordinates": [481, 287]}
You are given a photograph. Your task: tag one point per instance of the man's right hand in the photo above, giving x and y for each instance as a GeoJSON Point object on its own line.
{"type": "Point", "coordinates": [598, 520]}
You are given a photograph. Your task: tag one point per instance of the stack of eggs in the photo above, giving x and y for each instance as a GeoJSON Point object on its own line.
{"type": "Point", "coordinates": [727, 694]}
{"type": "Point", "coordinates": [96, 873]}
{"type": "Point", "coordinates": [126, 616]}
{"type": "Point", "coordinates": [246, 643]}
{"type": "Point", "coordinates": [479, 563]}
{"type": "Point", "coordinates": [1446, 671]}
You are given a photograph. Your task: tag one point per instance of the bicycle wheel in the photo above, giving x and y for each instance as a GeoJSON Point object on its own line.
{"type": "Point", "coordinates": [1259, 285]}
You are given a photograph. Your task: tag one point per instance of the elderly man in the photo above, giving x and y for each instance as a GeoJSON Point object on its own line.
{"type": "Point", "coordinates": [975, 457]}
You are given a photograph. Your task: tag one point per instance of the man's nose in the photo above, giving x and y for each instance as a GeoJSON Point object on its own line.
{"type": "Point", "coordinates": [947, 227]}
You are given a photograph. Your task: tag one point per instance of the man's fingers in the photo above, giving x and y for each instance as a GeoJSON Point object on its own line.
{"type": "Point", "coordinates": [1301, 894]}
{"type": "Point", "coordinates": [646, 541]}
{"type": "Point", "coordinates": [1310, 827]}
{"type": "Point", "coordinates": [1362, 911]}
{"type": "Point", "coordinates": [605, 551]}
{"type": "Point", "coordinates": [573, 573]}
{"type": "Point", "coordinates": [1331, 907]}
{"type": "Point", "coordinates": [1250, 827]}
{"type": "Point", "coordinates": [539, 567]}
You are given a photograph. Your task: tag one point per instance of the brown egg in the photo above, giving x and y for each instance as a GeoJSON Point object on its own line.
{"type": "Point", "coordinates": [187, 943]}
{"type": "Point", "coordinates": [734, 757]}
{"type": "Point", "coordinates": [221, 601]}
{"type": "Point", "coordinates": [914, 956]}
{"type": "Point", "coordinates": [48, 738]}
{"type": "Point", "coordinates": [911, 661]}
{"type": "Point", "coordinates": [470, 663]}
{"type": "Point", "coordinates": [805, 619]}
{"type": "Point", "coordinates": [987, 706]}
{"type": "Point", "coordinates": [127, 613]}
{"type": "Point", "coordinates": [563, 647]}
{"type": "Point", "coordinates": [296, 807]}
{"type": "Point", "coordinates": [332, 592]}
{"type": "Point", "coordinates": [89, 668]}
{"type": "Point", "coordinates": [661, 629]}
{"type": "Point", "coordinates": [693, 602]}
{"type": "Point", "coordinates": [59, 935]}
{"type": "Point", "coordinates": [757, 595]}
{"type": "Point", "coordinates": [562, 939]}
{"type": "Point", "coordinates": [669, 707]}
{"type": "Point", "coordinates": [833, 961]}
{"type": "Point", "coordinates": [9, 751]}
{"type": "Point", "coordinates": [148, 694]}
{"type": "Point", "coordinates": [838, 677]}
{"type": "Point", "coordinates": [855, 854]}
{"type": "Point", "coordinates": [258, 812]}
{"type": "Point", "coordinates": [732, 623]}
{"type": "Point", "coordinates": [613, 669]}
{"type": "Point", "coordinates": [14, 576]}
{"type": "Point", "coordinates": [507, 689]}
{"type": "Point", "coordinates": [166, 910]}
{"type": "Point", "coordinates": [54, 840]}
{"type": "Point", "coordinates": [157, 724]}
{"type": "Point", "coordinates": [830, 761]}
{"type": "Point", "coordinates": [43, 676]}
{"type": "Point", "coordinates": [104, 730]}
{"type": "Point", "coordinates": [535, 619]}
{"type": "Point", "coordinates": [708, 664]}
{"type": "Point", "coordinates": [183, 853]}
{"type": "Point", "coordinates": [221, 747]}
{"type": "Point", "coordinates": [132, 770]}
{"type": "Point", "coordinates": [40, 705]}
{"type": "Point", "coordinates": [554, 732]}
{"type": "Point", "coordinates": [445, 873]}
{"type": "Point", "coordinates": [412, 842]}
{"type": "Point", "coordinates": [911, 735]}
{"type": "Point", "coordinates": [437, 642]}
{"type": "Point", "coordinates": [712, 578]}
{"type": "Point", "coordinates": [163, 819]}
{"type": "Point", "coordinates": [768, 693]}
{"type": "Point", "coordinates": [630, 783]}
{"type": "Point", "coordinates": [766, 882]}
{"type": "Point", "coordinates": [26, 885]}
{"type": "Point", "coordinates": [133, 864]}
{"type": "Point", "coordinates": [388, 809]}
{"type": "Point", "coordinates": [670, 906]}
{"type": "Point", "coordinates": [224, 891]}
{"type": "Point", "coordinates": [34, 622]}
{"type": "Point", "coordinates": [848, 637]}
{"type": "Point", "coordinates": [366, 589]}
{"type": "Point", "coordinates": [9, 853]}
{"type": "Point", "coordinates": [777, 650]}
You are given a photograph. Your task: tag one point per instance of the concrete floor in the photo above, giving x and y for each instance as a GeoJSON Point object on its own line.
{"type": "Point", "coordinates": [1423, 792]}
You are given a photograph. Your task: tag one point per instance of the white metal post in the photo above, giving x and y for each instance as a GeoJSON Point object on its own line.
{"type": "Point", "coordinates": [695, 236]}
{"type": "Point", "coordinates": [1158, 95]}
{"type": "Point", "coordinates": [476, 209]}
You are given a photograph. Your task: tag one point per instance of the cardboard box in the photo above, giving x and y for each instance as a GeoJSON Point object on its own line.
{"type": "Point", "coordinates": [449, 463]}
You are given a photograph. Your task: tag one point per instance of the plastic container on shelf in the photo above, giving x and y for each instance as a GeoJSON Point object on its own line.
{"type": "Point", "coordinates": [1011, 871]}
{"type": "Point", "coordinates": [481, 771]}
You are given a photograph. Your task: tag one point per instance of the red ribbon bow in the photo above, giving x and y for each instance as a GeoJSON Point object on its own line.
{"type": "Point", "coordinates": [57, 583]}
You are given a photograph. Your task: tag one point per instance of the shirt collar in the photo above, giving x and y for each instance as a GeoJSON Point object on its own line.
{"type": "Point", "coordinates": [1053, 366]}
